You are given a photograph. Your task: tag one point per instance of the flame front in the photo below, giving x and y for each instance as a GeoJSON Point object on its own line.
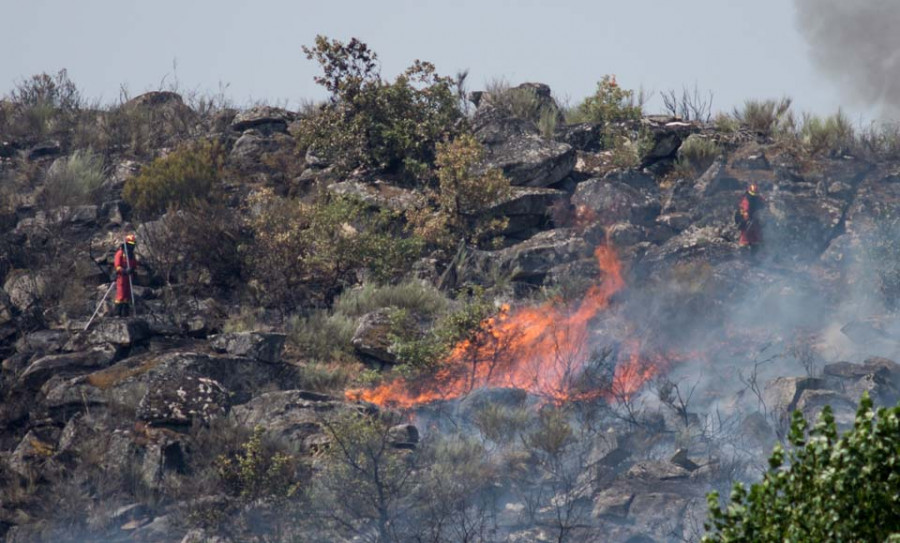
{"type": "Point", "coordinates": [543, 350]}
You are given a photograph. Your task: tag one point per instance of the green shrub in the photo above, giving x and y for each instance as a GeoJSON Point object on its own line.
{"type": "Point", "coordinates": [373, 123]}
{"type": "Point", "coordinates": [501, 424]}
{"type": "Point", "coordinates": [322, 336]}
{"type": "Point", "coordinates": [726, 124]}
{"type": "Point", "coordinates": [422, 352]}
{"type": "Point", "coordinates": [74, 181]}
{"type": "Point", "coordinates": [330, 377]}
{"type": "Point", "coordinates": [185, 176]}
{"type": "Point", "coordinates": [462, 201]}
{"type": "Point", "coordinates": [610, 103]}
{"type": "Point", "coordinates": [823, 488]}
{"type": "Point", "coordinates": [548, 121]}
{"type": "Point", "coordinates": [308, 252]}
{"type": "Point", "coordinates": [523, 103]}
{"type": "Point", "coordinates": [411, 295]}
{"type": "Point", "coordinates": [698, 153]}
{"type": "Point", "coordinates": [625, 153]}
{"type": "Point", "coordinates": [245, 321]}
{"type": "Point", "coordinates": [258, 471]}
{"type": "Point", "coordinates": [834, 135]}
{"type": "Point", "coordinates": [763, 117]}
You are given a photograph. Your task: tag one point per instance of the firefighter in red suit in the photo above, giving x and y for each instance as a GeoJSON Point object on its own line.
{"type": "Point", "coordinates": [748, 217]}
{"type": "Point", "coordinates": [125, 263]}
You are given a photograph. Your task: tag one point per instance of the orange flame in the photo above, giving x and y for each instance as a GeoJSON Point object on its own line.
{"type": "Point", "coordinates": [542, 349]}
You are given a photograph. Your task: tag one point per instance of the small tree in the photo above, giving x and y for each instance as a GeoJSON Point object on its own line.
{"type": "Point", "coordinates": [256, 472]}
{"type": "Point", "coordinates": [371, 123]}
{"type": "Point", "coordinates": [610, 103]}
{"type": "Point", "coordinates": [463, 196]}
{"type": "Point", "coordinates": [823, 488]}
{"type": "Point", "coordinates": [363, 485]}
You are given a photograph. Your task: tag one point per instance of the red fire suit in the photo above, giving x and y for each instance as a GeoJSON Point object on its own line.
{"type": "Point", "coordinates": [751, 229]}
{"type": "Point", "coordinates": [123, 285]}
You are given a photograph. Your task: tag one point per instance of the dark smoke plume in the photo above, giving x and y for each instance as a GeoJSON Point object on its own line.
{"type": "Point", "coordinates": [857, 43]}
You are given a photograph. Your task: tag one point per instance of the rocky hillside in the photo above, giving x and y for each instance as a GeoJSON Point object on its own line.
{"type": "Point", "coordinates": [580, 355]}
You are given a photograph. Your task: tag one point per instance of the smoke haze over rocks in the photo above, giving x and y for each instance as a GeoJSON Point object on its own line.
{"type": "Point", "coordinates": [856, 43]}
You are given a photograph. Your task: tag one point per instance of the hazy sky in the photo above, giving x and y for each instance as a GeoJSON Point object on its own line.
{"type": "Point", "coordinates": [736, 48]}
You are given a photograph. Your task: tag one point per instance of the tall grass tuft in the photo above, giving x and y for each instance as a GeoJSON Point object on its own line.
{"type": "Point", "coordinates": [322, 336]}
{"type": "Point", "coordinates": [75, 180]}
{"type": "Point", "coordinates": [833, 135]}
{"type": "Point", "coordinates": [413, 296]}
{"type": "Point", "coordinates": [697, 153]}
{"type": "Point", "coordinates": [763, 116]}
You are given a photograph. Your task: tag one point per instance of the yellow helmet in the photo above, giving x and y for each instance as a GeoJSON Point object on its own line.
{"type": "Point", "coordinates": [753, 190]}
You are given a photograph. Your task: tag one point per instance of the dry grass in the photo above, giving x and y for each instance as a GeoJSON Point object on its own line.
{"type": "Point", "coordinates": [112, 376]}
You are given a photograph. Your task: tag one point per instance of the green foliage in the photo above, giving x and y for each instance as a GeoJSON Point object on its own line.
{"type": "Point", "coordinates": [823, 488]}
{"type": "Point", "coordinates": [372, 123]}
{"type": "Point", "coordinates": [609, 104]}
{"type": "Point", "coordinates": [763, 117]}
{"type": "Point", "coordinates": [304, 252]}
{"type": "Point", "coordinates": [833, 135]}
{"type": "Point", "coordinates": [548, 121]}
{"type": "Point", "coordinates": [523, 102]}
{"type": "Point", "coordinates": [182, 178]}
{"type": "Point", "coordinates": [462, 201]}
{"type": "Point", "coordinates": [412, 295]}
{"type": "Point", "coordinates": [625, 153]}
{"type": "Point", "coordinates": [323, 336]}
{"type": "Point", "coordinates": [628, 151]}
{"type": "Point", "coordinates": [256, 472]}
{"type": "Point", "coordinates": [501, 424]}
{"type": "Point", "coordinates": [552, 433]}
{"type": "Point", "coordinates": [698, 153]}
{"type": "Point", "coordinates": [245, 321]}
{"type": "Point", "coordinates": [74, 181]}
{"type": "Point", "coordinates": [423, 352]}
{"type": "Point", "coordinates": [726, 124]}
{"type": "Point", "coordinates": [209, 232]}
{"type": "Point", "coordinates": [333, 377]}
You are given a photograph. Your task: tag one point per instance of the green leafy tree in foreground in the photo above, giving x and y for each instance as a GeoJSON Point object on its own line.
{"type": "Point", "coordinates": [823, 487]}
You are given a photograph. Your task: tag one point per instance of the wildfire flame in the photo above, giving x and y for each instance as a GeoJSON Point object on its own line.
{"type": "Point", "coordinates": [543, 350]}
